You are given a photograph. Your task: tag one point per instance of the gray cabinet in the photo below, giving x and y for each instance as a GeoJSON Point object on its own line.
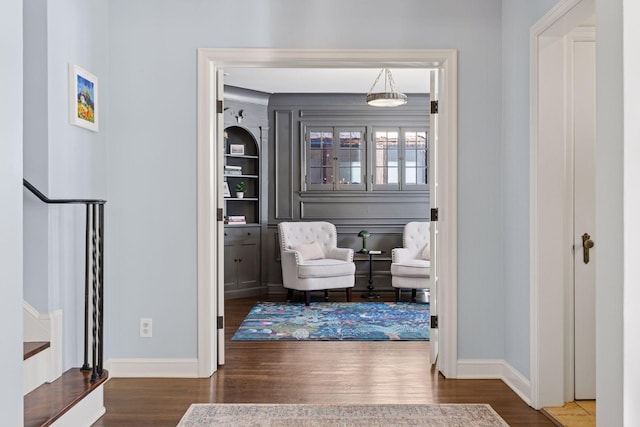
{"type": "Point", "coordinates": [242, 261]}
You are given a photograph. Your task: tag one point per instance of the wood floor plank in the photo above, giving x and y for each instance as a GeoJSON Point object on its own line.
{"type": "Point", "coordinates": [307, 372]}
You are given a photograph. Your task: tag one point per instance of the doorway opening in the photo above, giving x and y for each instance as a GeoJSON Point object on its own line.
{"type": "Point", "coordinates": [554, 138]}
{"type": "Point", "coordinates": [210, 224]}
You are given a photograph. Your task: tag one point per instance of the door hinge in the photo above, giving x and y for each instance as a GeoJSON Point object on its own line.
{"type": "Point", "coordinates": [434, 107]}
{"type": "Point", "coordinates": [220, 217]}
{"type": "Point", "coordinates": [434, 322]}
{"type": "Point", "coordinates": [434, 214]}
{"type": "Point", "coordinates": [220, 322]}
{"type": "Point", "coordinates": [219, 106]}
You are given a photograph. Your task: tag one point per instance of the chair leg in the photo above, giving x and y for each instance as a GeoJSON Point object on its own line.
{"type": "Point", "coordinates": [397, 294]}
{"type": "Point", "coordinates": [326, 295]}
{"type": "Point", "coordinates": [289, 295]}
{"type": "Point", "coordinates": [307, 298]}
{"type": "Point", "coordinates": [413, 295]}
{"type": "Point", "coordinates": [349, 294]}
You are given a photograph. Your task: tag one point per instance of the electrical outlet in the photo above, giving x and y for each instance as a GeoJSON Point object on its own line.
{"type": "Point", "coordinates": [146, 328]}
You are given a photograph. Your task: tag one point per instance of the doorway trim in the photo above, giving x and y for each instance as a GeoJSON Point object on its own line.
{"type": "Point", "coordinates": [550, 253]}
{"type": "Point", "coordinates": [210, 60]}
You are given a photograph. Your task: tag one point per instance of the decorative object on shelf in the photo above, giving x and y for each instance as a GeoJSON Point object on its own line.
{"type": "Point", "coordinates": [241, 187]}
{"type": "Point", "coordinates": [225, 189]}
{"type": "Point", "coordinates": [390, 97]}
{"type": "Point", "coordinates": [83, 98]}
{"type": "Point", "coordinates": [364, 234]}
{"type": "Point", "coordinates": [236, 149]}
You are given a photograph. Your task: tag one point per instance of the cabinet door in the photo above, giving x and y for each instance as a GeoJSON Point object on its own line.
{"type": "Point", "coordinates": [248, 265]}
{"type": "Point", "coordinates": [230, 266]}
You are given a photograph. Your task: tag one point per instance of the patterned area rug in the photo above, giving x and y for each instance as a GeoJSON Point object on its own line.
{"type": "Point", "coordinates": [290, 415]}
{"type": "Point", "coordinates": [365, 321]}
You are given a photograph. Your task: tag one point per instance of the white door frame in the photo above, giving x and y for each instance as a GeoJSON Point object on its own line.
{"type": "Point", "coordinates": [208, 193]}
{"type": "Point", "coordinates": [551, 199]}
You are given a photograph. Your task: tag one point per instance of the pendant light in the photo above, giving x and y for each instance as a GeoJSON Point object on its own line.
{"type": "Point", "coordinates": [390, 97]}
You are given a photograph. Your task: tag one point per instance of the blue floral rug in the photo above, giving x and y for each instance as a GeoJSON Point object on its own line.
{"type": "Point", "coordinates": [339, 321]}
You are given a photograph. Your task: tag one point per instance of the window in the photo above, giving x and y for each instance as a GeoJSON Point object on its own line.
{"type": "Point", "coordinates": [335, 158]}
{"type": "Point", "coordinates": [400, 159]}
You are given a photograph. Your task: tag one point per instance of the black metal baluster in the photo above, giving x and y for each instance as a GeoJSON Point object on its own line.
{"type": "Point", "coordinates": [101, 293]}
{"type": "Point", "coordinates": [87, 269]}
{"type": "Point", "coordinates": [94, 374]}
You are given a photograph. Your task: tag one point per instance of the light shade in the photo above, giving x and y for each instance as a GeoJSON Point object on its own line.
{"type": "Point", "coordinates": [390, 97]}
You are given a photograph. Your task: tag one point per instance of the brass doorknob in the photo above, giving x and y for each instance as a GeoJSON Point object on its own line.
{"type": "Point", "coordinates": [587, 244]}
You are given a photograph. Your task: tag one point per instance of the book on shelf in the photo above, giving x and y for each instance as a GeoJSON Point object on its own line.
{"type": "Point", "coordinates": [233, 170]}
{"type": "Point", "coordinates": [236, 219]}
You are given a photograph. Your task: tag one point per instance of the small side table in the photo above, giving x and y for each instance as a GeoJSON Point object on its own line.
{"type": "Point", "coordinates": [370, 253]}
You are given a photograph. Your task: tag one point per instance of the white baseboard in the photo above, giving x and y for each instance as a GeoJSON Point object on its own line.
{"type": "Point", "coordinates": [85, 412]}
{"type": "Point", "coordinates": [156, 368]}
{"type": "Point", "coordinates": [496, 369]}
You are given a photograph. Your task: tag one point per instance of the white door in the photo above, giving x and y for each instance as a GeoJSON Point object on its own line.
{"type": "Point", "coordinates": [220, 202]}
{"type": "Point", "coordinates": [433, 202]}
{"type": "Point", "coordinates": [584, 218]}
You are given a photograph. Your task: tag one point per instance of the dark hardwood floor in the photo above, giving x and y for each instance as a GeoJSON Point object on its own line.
{"type": "Point", "coordinates": [307, 372]}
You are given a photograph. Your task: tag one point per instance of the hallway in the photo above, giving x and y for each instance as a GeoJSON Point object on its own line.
{"type": "Point", "coordinates": [308, 372]}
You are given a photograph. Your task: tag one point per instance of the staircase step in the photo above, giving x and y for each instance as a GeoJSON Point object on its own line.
{"type": "Point", "coordinates": [31, 348]}
{"type": "Point", "coordinates": [50, 401]}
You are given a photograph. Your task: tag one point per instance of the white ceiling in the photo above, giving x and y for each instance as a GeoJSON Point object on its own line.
{"type": "Point", "coordinates": [325, 80]}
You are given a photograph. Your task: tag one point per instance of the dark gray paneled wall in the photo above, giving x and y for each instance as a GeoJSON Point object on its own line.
{"type": "Point", "coordinates": [383, 213]}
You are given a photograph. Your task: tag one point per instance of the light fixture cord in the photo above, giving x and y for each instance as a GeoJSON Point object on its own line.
{"type": "Point", "coordinates": [387, 77]}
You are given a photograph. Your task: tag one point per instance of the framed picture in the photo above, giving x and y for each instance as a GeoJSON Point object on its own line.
{"type": "Point", "coordinates": [83, 98]}
{"type": "Point", "coordinates": [225, 189]}
{"type": "Point", "coordinates": [237, 149]}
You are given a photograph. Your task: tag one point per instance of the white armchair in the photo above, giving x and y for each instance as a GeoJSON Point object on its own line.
{"type": "Point", "coordinates": [411, 264]}
{"type": "Point", "coordinates": [312, 261]}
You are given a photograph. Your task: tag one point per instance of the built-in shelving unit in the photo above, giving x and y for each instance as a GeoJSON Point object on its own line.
{"type": "Point", "coordinates": [242, 164]}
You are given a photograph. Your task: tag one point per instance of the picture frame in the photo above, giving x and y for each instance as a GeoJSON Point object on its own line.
{"type": "Point", "coordinates": [83, 98]}
{"type": "Point", "coordinates": [236, 149]}
{"type": "Point", "coordinates": [225, 189]}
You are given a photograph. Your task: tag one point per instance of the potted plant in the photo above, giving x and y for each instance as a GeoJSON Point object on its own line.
{"type": "Point", "coordinates": [241, 187]}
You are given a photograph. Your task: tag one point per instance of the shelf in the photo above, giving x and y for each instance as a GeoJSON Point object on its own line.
{"type": "Point", "coordinates": [248, 199]}
{"type": "Point", "coordinates": [242, 156]}
{"type": "Point", "coordinates": [226, 175]}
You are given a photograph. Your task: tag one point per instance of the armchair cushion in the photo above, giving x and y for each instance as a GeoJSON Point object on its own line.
{"type": "Point", "coordinates": [309, 251]}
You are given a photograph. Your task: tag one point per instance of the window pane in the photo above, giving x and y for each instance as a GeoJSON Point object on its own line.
{"type": "Point", "coordinates": [320, 157]}
{"type": "Point", "coordinates": [315, 158]}
{"type": "Point", "coordinates": [320, 176]}
{"type": "Point", "coordinates": [386, 157]}
{"type": "Point", "coordinates": [350, 155]}
{"type": "Point", "coordinates": [416, 161]}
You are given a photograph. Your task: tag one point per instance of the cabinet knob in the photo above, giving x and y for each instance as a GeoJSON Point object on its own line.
{"type": "Point", "coordinates": [248, 234]}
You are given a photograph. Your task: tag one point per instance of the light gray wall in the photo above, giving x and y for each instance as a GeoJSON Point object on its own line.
{"type": "Point", "coordinates": [517, 18]}
{"type": "Point", "coordinates": [62, 160]}
{"type": "Point", "coordinates": [36, 154]}
{"type": "Point", "coordinates": [11, 401]}
{"type": "Point", "coordinates": [152, 211]}
{"type": "Point", "coordinates": [610, 324]}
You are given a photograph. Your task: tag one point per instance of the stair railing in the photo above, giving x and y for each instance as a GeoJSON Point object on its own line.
{"type": "Point", "coordinates": [94, 275]}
